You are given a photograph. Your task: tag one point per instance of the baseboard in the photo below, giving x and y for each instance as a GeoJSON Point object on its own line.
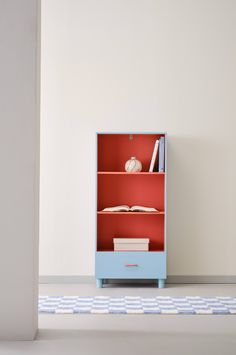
{"type": "Point", "coordinates": [66, 279]}
{"type": "Point", "coordinates": [172, 279]}
{"type": "Point", "coordinates": [201, 279]}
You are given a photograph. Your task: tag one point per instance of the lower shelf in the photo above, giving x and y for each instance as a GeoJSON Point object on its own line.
{"type": "Point", "coordinates": [130, 265]}
{"type": "Point", "coordinates": [124, 225]}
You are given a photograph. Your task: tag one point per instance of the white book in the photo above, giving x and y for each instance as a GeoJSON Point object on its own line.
{"type": "Point", "coordinates": [121, 208]}
{"type": "Point", "coordinates": [126, 208]}
{"type": "Point", "coordinates": [154, 156]}
{"type": "Point", "coordinates": [142, 209]}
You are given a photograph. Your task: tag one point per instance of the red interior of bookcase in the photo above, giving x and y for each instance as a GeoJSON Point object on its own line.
{"type": "Point", "coordinates": [131, 226]}
{"type": "Point", "coordinates": [128, 189]}
{"type": "Point", "coordinates": [115, 149]}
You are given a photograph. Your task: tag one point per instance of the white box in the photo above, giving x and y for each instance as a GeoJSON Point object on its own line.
{"type": "Point", "coordinates": [131, 244]}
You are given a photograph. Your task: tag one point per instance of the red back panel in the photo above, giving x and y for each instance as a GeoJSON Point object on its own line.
{"type": "Point", "coordinates": [115, 149]}
{"type": "Point", "coordinates": [128, 189]}
{"type": "Point", "coordinates": [131, 226]}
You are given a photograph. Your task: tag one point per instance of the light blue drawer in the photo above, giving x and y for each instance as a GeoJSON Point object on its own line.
{"type": "Point", "coordinates": [131, 265]}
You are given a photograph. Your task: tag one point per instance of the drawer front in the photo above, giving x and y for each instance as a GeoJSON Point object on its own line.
{"type": "Point", "coordinates": [131, 265]}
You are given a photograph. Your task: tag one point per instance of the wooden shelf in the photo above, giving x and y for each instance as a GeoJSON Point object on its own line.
{"type": "Point", "coordinates": [131, 173]}
{"type": "Point", "coordinates": [130, 213]}
{"type": "Point", "coordinates": [129, 251]}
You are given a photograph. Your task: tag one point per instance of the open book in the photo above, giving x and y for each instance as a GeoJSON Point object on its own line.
{"type": "Point", "coordinates": [125, 208]}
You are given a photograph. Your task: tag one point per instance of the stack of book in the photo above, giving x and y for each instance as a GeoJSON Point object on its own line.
{"type": "Point", "coordinates": [131, 244]}
{"type": "Point", "coordinates": [158, 156]}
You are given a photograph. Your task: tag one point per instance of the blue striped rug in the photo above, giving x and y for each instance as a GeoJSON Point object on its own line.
{"type": "Point", "coordinates": [137, 305]}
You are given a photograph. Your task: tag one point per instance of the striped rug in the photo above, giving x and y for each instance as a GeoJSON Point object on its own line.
{"type": "Point", "coordinates": [137, 305]}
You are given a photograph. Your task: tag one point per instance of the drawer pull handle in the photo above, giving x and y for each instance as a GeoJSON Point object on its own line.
{"type": "Point", "coordinates": [131, 265]}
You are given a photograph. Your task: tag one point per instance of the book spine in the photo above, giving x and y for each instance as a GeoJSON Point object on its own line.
{"type": "Point", "coordinates": [161, 157]}
{"type": "Point", "coordinates": [154, 155]}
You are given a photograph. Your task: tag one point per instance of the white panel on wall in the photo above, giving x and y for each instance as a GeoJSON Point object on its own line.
{"type": "Point", "coordinates": [139, 65]}
{"type": "Point", "coordinates": [19, 157]}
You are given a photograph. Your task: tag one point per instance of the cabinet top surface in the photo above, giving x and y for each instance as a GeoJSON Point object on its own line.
{"type": "Point", "coordinates": [133, 133]}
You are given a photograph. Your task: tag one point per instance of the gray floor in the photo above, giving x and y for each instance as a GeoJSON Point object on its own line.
{"type": "Point", "coordinates": [131, 334]}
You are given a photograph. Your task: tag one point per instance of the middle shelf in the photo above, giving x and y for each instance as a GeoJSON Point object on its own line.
{"type": "Point", "coordinates": [138, 189]}
{"type": "Point", "coordinates": [131, 173]}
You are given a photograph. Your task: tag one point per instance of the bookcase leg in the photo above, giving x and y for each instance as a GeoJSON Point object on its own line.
{"type": "Point", "coordinates": [161, 283]}
{"type": "Point", "coordinates": [99, 283]}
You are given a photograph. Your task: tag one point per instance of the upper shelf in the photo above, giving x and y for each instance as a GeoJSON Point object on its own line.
{"type": "Point", "coordinates": [131, 173]}
{"type": "Point", "coordinates": [130, 213]}
{"type": "Point", "coordinates": [115, 149]}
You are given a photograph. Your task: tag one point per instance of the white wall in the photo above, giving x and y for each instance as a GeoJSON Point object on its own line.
{"type": "Point", "coordinates": [19, 148]}
{"type": "Point", "coordinates": [140, 65]}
